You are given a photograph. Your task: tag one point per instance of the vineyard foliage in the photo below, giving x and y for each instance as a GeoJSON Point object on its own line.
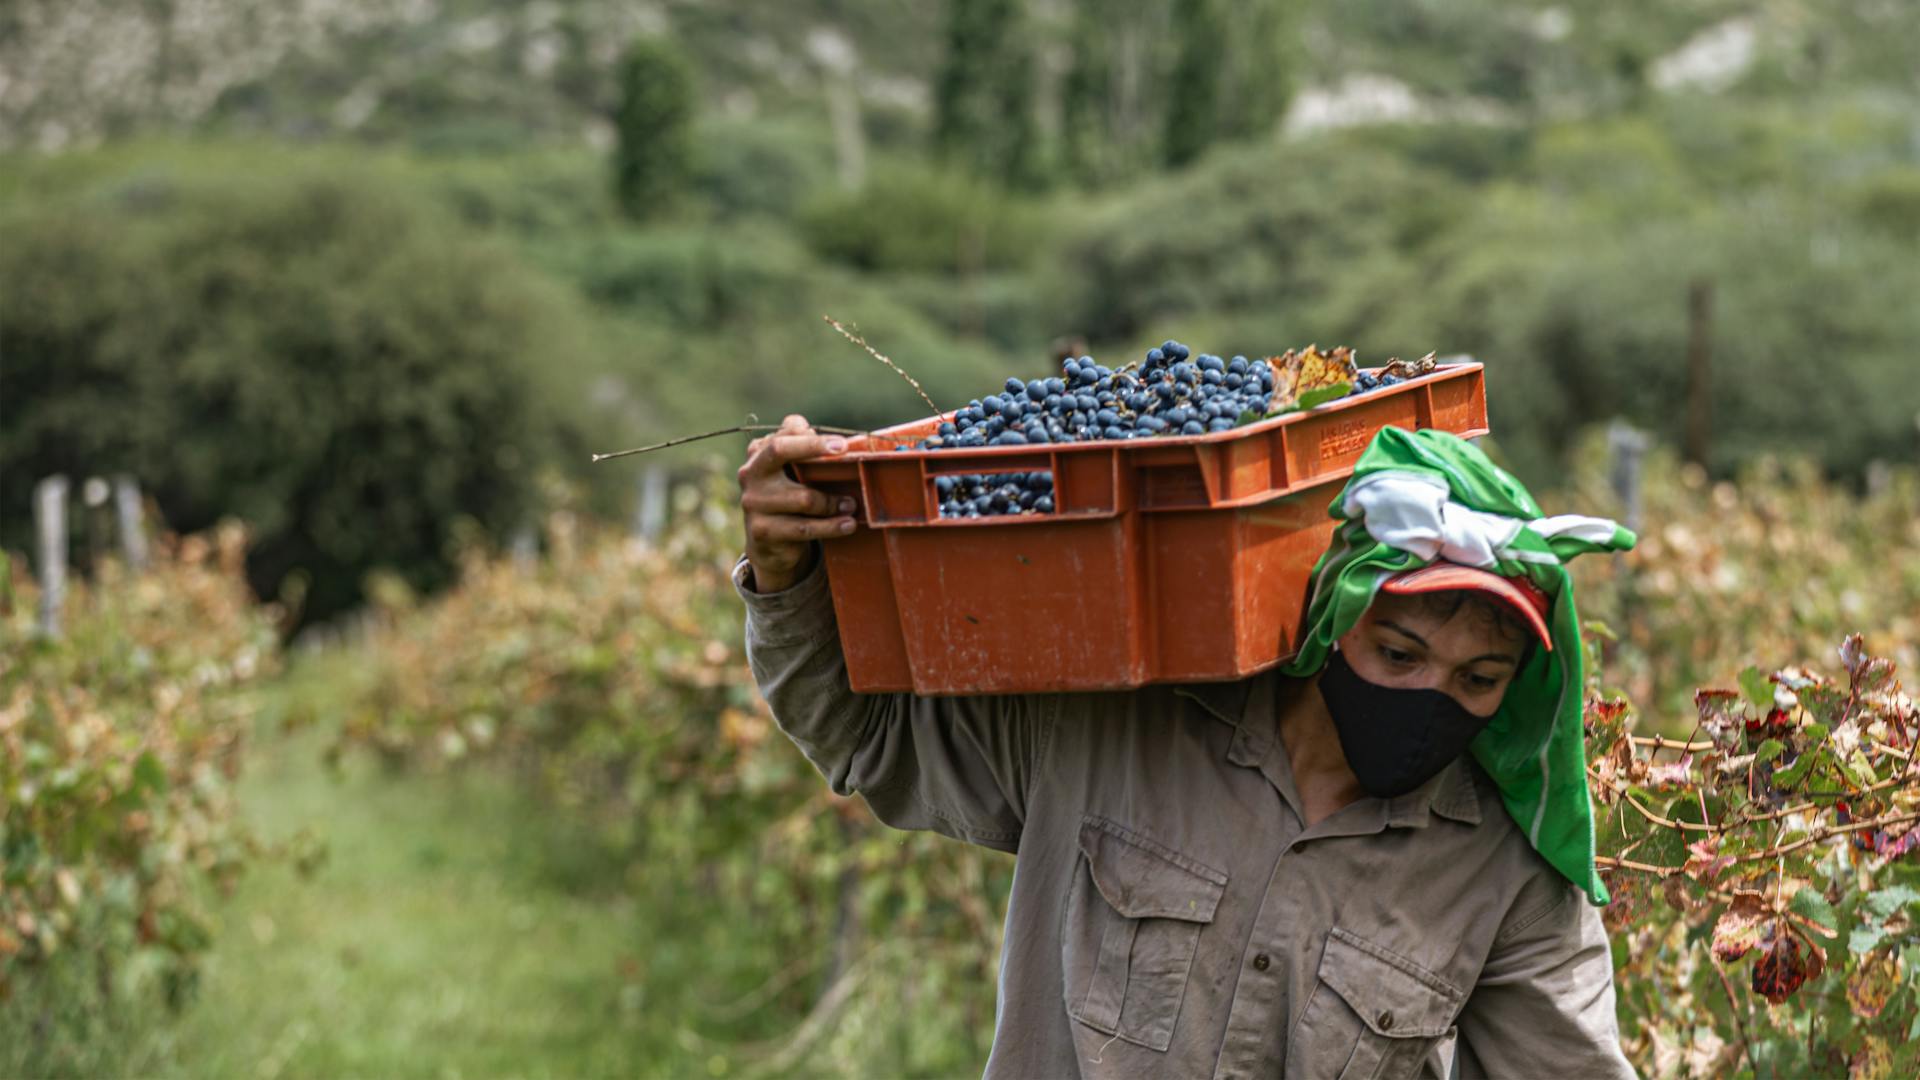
{"type": "Point", "coordinates": [119, 746]}
{"type": "Point", "coordinates": [1770, 567]}
{"type": "Point", "coordinates": [1751, 763]}
{"type": "Point", "coordinates": [611, 675]}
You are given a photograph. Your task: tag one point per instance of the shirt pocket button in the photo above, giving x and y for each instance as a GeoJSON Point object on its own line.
{"type": "Point", "coordinates": [1260, 962]}
{"type": "Point", "coordinates": [1386, 1020]}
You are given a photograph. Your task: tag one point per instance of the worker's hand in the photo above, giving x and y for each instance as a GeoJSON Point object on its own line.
{"type": "Point", "coordinates": [783, 516]}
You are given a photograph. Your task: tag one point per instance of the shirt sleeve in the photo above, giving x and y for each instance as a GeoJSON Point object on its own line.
{"type": "Point", "coordinates": [1544, 1003]}
{"type": "Point", "coordinates": [960, 766]}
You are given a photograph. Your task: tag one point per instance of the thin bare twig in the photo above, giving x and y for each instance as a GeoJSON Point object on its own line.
{"type": "Point", "coordinates": [712, 434]}
{"type": "Point", "coordinates": [1738, 1011]}
{"type": "Point", "coordinates": [1818, 835]}
{"type": "Point", "coordinates": [1661, 742]}
{"type": "Point", "coordinates": [871, 351]}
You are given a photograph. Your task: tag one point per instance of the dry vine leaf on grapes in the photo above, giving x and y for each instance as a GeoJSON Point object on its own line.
{"type": "Point", "coordinates": [1306, 377]}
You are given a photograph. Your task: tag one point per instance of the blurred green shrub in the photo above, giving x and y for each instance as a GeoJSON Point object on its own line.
{"type": "Point", "coordinates": [1572, 283]}
{"type": "Point", "coordinates": [653, 156]}
{"type": "Point", "coordinates": [317, 351]}
{"type": "Point", "coordinates": [912, 217]}
{"type": "Point", "coordinates": [767, 168]}
{"type": "Point", "coordinates": [1562, 256]}
{"type": "Point", "coordinates": [1890, 200]}
{"type": "Point", "coordinates": [1268, 229]}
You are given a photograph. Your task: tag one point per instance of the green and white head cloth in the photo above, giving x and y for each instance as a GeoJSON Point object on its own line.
{"type": "Point", "coordinates": [1415, 497]}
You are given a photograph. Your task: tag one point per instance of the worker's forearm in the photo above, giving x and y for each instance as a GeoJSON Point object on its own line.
{"type": "Point", "coordinates": [793, 646]}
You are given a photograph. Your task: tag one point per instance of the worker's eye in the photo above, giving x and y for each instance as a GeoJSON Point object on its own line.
{"type": "Point", "coordinates": [1482, 682]}
{"type": "Point", "coordinates": [1396, 656]}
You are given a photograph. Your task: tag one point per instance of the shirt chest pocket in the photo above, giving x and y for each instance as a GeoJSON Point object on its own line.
{"type": "Point", "coordinates": [1371, 1014]}
{"type": "Point", "coordinates": [1132, 925]}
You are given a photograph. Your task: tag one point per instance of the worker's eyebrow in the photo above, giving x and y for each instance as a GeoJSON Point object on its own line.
{"type": "Point", "coordinates": [1503, 658]}
{"type": "Point", "coordinates": [1396, 627]}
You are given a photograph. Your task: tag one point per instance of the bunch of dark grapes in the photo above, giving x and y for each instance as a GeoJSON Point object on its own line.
{"type": "Point", "coordinates": [1172, 392]}
{"type": "Point", "coordinates": [1367, 380]}
{"type": "Point", "coordinates": [1168, 394]}
{"type": "Point", "coordinates": [986, 494]}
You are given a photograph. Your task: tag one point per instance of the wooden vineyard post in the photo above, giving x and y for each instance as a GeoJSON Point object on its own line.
{"type": "Point", "coordinates": [524, 547]}
{"type": "Point", "coordinates": [1626, 445]}
{"type": "Point", "coordinates": [132, 526]}
{"type": "Point", "coordinates": [50, 521]}
{"type": "Point", "coordinates": [94, 493]}
{"type": "Point", "coordinates": [651, 515]}
{"type": "Point", "coordinates": [1699, 371]}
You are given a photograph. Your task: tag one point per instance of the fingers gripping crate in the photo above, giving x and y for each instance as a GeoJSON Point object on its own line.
{"type": "Point", "coordinates": [1170, 559]}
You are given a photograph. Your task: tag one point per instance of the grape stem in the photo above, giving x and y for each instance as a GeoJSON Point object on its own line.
{"type": "Point", "coordinates": [871, 351]}
{"type": "Point", "coordinates": [713, 434]}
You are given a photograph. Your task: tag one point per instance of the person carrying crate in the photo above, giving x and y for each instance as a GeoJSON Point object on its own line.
{"type": "Point", "coordinates": [1375, 860]}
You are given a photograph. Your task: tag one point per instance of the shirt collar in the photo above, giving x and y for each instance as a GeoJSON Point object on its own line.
{"type": "Point", "coordinates": [1247, 705]}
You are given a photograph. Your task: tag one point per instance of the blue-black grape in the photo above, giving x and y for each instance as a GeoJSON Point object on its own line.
{"type": "Point", "coordinates": [1173, 391]}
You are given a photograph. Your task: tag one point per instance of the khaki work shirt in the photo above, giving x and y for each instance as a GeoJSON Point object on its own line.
{"type": "Point", "coordinates": [1172, 917]}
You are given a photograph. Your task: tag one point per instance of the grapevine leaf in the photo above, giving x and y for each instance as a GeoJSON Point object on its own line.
{"type": "Point", "coordinates": [1249, 416]}
{"type": "Point", "coordinates": [1672, 775]}
{"type": "Point", "coordinates": [1600, 629]}
{"type": "Point", "coordinates": [1768, 750]}
{"type": "Point", "coordinates": [1737, 932]}
{"type": "Point", "coordinates": [1323, 394]}
{"type": "Point", "coordinates": [1873, 981]}
{"type": "Point", "coordinates": [149, 774]}
{"type": "Point", "coordinates": [1782, 965]}
{"type": "Point", "coordinates": [1853, 654]}
{"type": "Point", "coordinates": [1877, 673]}
{"type": "Point", "coordinates": [1884, 902]}
{"type": "Point", "coordinates": [1758, 687]}
{"type": "Point", "coordinates": [1865, 939]}
{"type": "Point", "coordinates": [1859, 769]}
{"type": "Point", "coordinates": [1797, 771]}
{"type": "Point", "coordinates": [1809, 903]}
{"type": "Point", "coordinates": [1873, 1061]}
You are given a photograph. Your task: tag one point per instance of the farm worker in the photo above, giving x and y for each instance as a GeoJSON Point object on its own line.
{"type": "Point", "coordinates": [1373, 861]}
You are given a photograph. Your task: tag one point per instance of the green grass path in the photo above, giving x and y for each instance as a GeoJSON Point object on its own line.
{"type": "Point", "coordinates": [428, 944]}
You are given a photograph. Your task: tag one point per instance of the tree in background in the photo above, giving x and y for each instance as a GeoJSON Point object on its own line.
{"type": "Point", "coordinates": [984, 95]}
{"type": "Point", "coordinates": [319, 354]}
{"type": "Point", "coordinates": [1083, 114]}
{"type": "Point", "coordinates": [1193, 94]}
{"type": "Point", "coordinates": [1256, 66]}
{"type": "Point", "coordinates": [655, 118]}
{"type": "Point", "coordinates": [1151, 85]}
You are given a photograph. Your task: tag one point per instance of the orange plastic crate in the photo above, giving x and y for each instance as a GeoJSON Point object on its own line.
{"type": "Point", "coordinates": [1171, 559]}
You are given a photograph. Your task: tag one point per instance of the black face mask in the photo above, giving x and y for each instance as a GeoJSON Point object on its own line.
{"type": "Point", "coordinates": [1395, 740]}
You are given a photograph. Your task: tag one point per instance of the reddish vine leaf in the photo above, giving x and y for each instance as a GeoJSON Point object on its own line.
{"type": "Point", "coordinates": [1704, 859]}
{"type": "Point", "coordinates": [1785, 964]}
{"type": "Point", "coordinates": [1605, 719]}
{"type": "Point", "coordinates": [1738, 931]}
{"type": "Point", "coordinates": [1853, 655]}
{"type": "Point", "coordinates": [1676, 774]}
{"type": "Point", "coordinates": [1716, 709]}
